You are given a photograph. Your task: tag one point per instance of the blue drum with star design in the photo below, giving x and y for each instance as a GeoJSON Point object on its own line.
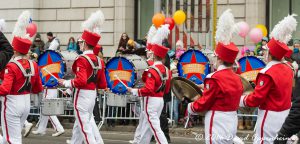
{"type": "Point", "coordinates": [250, 67]}
{"type": "Point", "coordinates": [51, 61]}
{"type": "Point", "coordinates": [193, 65]}
{"type": "Point", "coordinates": [120, 71]}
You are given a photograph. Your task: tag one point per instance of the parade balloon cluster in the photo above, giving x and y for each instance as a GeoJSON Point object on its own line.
{"type": "Point", "coordinates": [159, 19]}
{"type": "Point", "coordinates": [255, 34]}
{"type": "Point", "coordinates": [179, 17]}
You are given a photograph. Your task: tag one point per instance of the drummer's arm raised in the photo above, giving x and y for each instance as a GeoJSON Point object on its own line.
{"type": "Point", "coordinates": [9, 77]}
{"type": "Point", "coordinates": [256, 98]}
{"type": "Point", "coordinates": [211, 89]}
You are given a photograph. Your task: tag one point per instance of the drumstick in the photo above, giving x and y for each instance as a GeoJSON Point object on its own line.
{"type": "Point", "coordinates": [50, 73]}
{"type": "Point", "coordinates": [61, 90]}
{"type": "Point", "coordinates": [120, 80]}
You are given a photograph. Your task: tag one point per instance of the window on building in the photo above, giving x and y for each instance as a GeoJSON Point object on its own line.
{"type": "Point", "coordinates": [281, 8]}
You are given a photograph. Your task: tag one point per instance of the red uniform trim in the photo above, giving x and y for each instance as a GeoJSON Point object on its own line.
{"type": "Point", "coordinates": [79, 119]}
{"type": "Point", "coordinates": [244, 100]}
{"type": "Point", "coordinates": [5, 121]}
{"type": "Point", "coordinates": [148, 118]}
{"type": "Point", "coordinates": [262, 127]}
{"type": "Point", "coordinates": [52, 123]}
{"type": "Point", "coordinates": [211, 126]}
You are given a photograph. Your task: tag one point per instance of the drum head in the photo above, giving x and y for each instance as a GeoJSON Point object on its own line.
{"type": "Point", "coordinates": [53, 62]}
{"type": "Point", "coordinates": [124, 69]}
{"type": "Point", "coordinates": [69, 57]}
{"type": "Point", "coordinates": [194, 66]}
{"type": "Point", "coordinates": [250, 67]}
{"type": "Point", "coordinates": [140, 65]}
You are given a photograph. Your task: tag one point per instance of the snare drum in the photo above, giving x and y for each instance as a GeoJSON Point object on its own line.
{"type": "Point", "coordinates": [129, 68]}
{"type": "Point", "coordinates": [69, 58]}
{"type": "Point", "coordinates": [53, 62]}
{"type": "Point", "coordinates": [54, 106]}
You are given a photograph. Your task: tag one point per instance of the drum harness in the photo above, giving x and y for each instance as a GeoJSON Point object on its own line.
{"type": "Point", "coordinates": [28, 73]}
{"type": "Point", "coordinates": [164, 77]}
{"type": "Point", "coordinates": [92, 78]}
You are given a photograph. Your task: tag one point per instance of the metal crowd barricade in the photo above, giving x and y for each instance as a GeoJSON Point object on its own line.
{"type": "Point", "coordinates": [111, 107]}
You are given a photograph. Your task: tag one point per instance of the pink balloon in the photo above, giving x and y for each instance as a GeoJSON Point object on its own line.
{"type": "Point", "coordinates": [31, 29]}
{"type": "Point", "coordinates": [256, 35]}
{"type": "Point", "coordinates": [243, 29]}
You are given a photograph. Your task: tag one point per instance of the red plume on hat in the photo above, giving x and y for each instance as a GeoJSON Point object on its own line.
{"type": "Point", "coordinates": [226, 50]}
{"type": "Point", "coordinates": [92, 28]}
{"type": "Point", "coordinates": [280, 36]}
{"type": "Point", "coordinates": [21, 41]}
{"type": "Point", "coordinates": [152, 31]}
{"type": "Point", "coordinates": [157, 47]}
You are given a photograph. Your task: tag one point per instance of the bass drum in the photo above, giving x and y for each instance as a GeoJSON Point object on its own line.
{"type": "Point", "coordinates": [54, 63]}
{"type": "Point", "coordinates": [129, 69]}
{"type": "Point", "coordinates": [69, 58]}
{"type": "Point", "coordinates": [194, 66]}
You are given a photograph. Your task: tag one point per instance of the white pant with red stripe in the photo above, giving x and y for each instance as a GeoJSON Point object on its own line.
{"type": "Point", "coordinates": [142, 123]}
{"type": "Point", "coordinates": [84, 126]}
{"type": "Point", "coordinates": [153, 108]}
{"type": "Point", "coordinates": [96, 132]}
{"type": "Point", "coordinates": [268, 124]}
{"type": "Point", "coordinates": [220, 127]}
{"type": "Point", "coordinates": [15, 109]}
{"type": "Point", "coordinates": [48, 94]}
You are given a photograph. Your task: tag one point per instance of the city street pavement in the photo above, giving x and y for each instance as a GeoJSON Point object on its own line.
{"type": "Point", "coordinates": [109, 137]}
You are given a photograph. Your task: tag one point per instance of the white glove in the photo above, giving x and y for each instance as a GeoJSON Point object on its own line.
{"type": "Point", "coordinates": [67, 83]}
{"type": "Point", "coordinates": [190, 111]}
{"type": "Point", "coordinates": [134, 92]}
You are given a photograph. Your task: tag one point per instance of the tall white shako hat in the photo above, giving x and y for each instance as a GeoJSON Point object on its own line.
{"type": "Point", "coordinates": [280, 36]}
{"type": "Point", "coordinates": [21, 41]}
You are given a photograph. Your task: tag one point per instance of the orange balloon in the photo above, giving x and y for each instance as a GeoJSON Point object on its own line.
{"type": "Point", "coordinates": [158, 19]}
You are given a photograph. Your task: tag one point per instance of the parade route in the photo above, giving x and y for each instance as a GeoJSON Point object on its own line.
{"type": "Point", "coordinates": [108, 137]}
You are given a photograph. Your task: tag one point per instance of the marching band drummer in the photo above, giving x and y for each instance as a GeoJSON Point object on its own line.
{"type": "Point", "coordinates": [89, 72]}
{"type": "Point", "coordinates": [273, 89]}
{"type": "Point", "coordinates": [157, 82]}
{"type": "Point", "coordinates": [222, 89]}
{"type": "Point", "coordinates": [20, 79]}
{"type": "Point", "coordinates": [149, 55]}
